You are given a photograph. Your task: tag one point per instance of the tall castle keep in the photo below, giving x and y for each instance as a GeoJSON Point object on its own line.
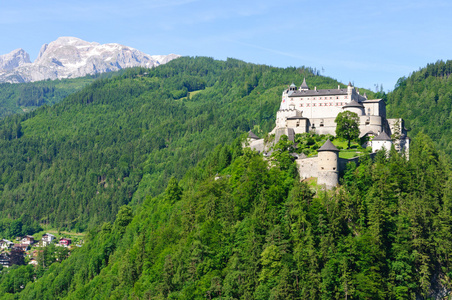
{"type": "Point", "coordinates": [305, 110]}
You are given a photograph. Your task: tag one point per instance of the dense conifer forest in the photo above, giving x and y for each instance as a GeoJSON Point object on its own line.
{"type": "Point", "coordinates": [72, 165]}
{"type": "Point", "coordinates": [150, 164]}
{"type": "Point", "coordinates": [24, 97]}
{"type": "Point", "coordinates": [258, 233]}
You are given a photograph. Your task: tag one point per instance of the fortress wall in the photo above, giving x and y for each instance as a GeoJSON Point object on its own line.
{"type": "Point", "coordinates": [282, 115]}
{"type": "Point", "coordinates": [329, 179]}
{"type": "Point", "coordinates": [326, 130]}
{"type": "Point", "coordinates": [308, 167]}
{"type": "Point", "coordinates": [257, 145]}
{"type": "Point", "coordinates": [329, 126]}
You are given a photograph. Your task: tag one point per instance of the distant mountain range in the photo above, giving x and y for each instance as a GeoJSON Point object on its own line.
{"type": "Point", "coordinates": [70, 57]}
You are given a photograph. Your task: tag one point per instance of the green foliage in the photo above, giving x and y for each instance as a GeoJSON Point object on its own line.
{"type": "Point", "coordinates": [259, 233]}
{"type": "Point", "coordinates": [281, 153]}
{"type": "Point", "coordinates": [24, 97]}
{"type": "Point", "coordinates": [423, 100]}
{"type": "Point", "coordinates": [196, 216]}
{"type": "Point", "coordinates": [74, 164]}
{"type": "Point", "coordinates": [347, 126]}
{"type": "Point", "coordinates": [173, 192]}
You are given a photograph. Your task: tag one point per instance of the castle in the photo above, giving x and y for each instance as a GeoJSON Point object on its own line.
{"type": "Point", "coordinates": [305, 110]}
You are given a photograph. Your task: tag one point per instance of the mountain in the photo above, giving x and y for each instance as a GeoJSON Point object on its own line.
{"type": "Point", "coordinates": [70, 57]}
{"type": "Point", "coordinates": [150, 164]}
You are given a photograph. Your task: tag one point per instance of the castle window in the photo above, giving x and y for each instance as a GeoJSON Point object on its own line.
{"type": "Point", "coordinates": [334, 169]}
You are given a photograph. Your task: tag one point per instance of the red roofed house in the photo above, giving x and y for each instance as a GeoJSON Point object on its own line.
{"type": "Point", "coordinates": [65, 242]}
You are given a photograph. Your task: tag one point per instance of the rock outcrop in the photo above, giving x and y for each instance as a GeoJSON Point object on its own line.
{"type": "Point", "coordinates": [14, 59]}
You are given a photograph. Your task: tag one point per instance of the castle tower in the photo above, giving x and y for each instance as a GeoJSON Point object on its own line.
{"type": "Point", "coordinates": [382, 141]}
{"type": "Point", "coordinates": [328, 165]}
{"type": "Point", "coordinates": [350, 89]}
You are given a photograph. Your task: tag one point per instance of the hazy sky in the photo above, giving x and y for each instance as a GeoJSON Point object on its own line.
{"type": "Point", "coordinates": [366, 42]}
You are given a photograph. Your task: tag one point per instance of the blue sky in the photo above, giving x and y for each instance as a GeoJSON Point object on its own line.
{"type": "Point", "coordinates": [365, 42]}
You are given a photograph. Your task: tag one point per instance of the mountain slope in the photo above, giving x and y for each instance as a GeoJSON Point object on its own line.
{"type": "Point", "coordinates": [424, 100]}
{"type": "Point", "coordinates": [258, 233]}
{"type": "Point", "coordinates": [74, 164]}
{"type": "Point", "coordinates": [70, 57]}
{"type": "Point", "coordinates": [24, 97]}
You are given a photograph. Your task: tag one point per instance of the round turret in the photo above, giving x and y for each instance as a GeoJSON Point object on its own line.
{"type": "Point", "coordinates": [382, 141]}
{"type": "Point", "coordinates": [354, 106]}
{"type": "Point", "coordinates": [328, 165]}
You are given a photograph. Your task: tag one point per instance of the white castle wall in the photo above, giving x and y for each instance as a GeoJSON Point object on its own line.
{"type": "Point", "coordinates": [308, 167]}
{"type": "Point", "coordinates": [357, 110]}
{"type": "Point", "coordinates": [380, 145]}
{"type": "Point", "coordinates": [375, 107]}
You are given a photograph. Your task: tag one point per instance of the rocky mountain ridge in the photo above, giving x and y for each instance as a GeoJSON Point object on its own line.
{"type": "Point", "coordinates": [70, 57]}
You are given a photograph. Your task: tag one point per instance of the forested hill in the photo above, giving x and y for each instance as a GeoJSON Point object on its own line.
{"type": "Point", "coordinates": [72, 165]}
{"type": "Point", "coordinates": [254, 232]}
{"type": "Point", "coordinates": [424, 100]}
{"type": "Point", "coordinates": [151, 164]}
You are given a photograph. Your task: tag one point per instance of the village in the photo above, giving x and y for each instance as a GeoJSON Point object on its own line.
{"type": "Point", "coordinates": [28, 250]}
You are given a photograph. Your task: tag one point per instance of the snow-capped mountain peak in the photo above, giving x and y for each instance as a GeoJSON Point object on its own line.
{"type": "Point", "coordinates": [70, 57]}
